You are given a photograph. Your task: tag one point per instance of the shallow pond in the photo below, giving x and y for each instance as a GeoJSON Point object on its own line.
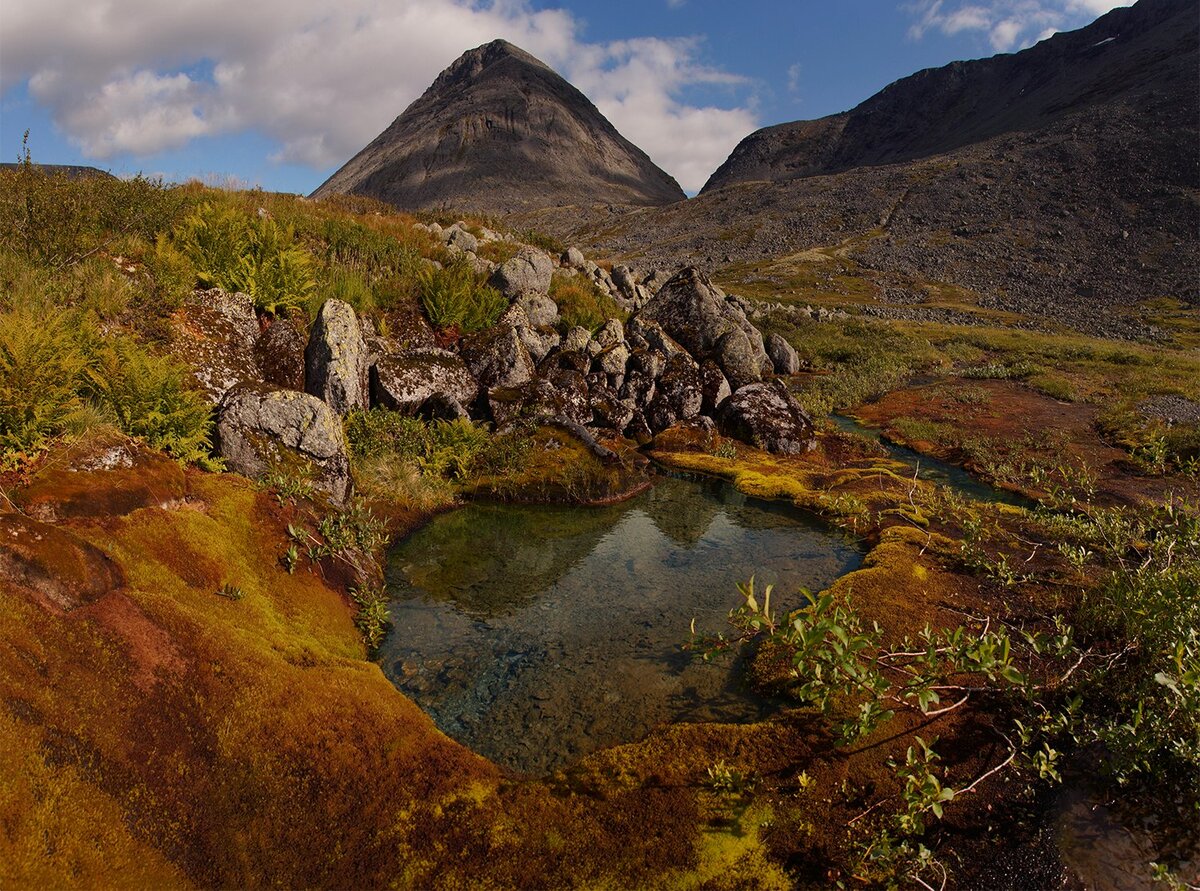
{"type": "Point", "coordinates": [536, 634]}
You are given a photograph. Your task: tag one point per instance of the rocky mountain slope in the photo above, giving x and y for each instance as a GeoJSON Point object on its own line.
{"type": "Point", "coordinates": [500, 131]}
{"type": "Point", "coordinates": [1120, 57]}
{"type": "Point", "coordinates": [1058, 185]}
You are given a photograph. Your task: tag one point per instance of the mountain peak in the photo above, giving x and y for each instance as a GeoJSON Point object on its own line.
{"type": "Point", "coordinates": [501, 131]}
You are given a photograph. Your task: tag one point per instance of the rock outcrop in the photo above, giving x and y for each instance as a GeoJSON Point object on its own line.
{"type": "Point", "coordinates": [262, 430]}
{"type": "Point", "coordinates": [214, 335]}
{"type": "Point", "coordinates": [499, 131]}
{"type": "Point", "coordinates": [696, 313]}
{"type": "Point", "coordinates": [337, 364]}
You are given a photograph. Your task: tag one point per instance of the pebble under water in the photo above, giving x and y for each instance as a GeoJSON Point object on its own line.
{"type": "Point", "coordinates": [536, 634]}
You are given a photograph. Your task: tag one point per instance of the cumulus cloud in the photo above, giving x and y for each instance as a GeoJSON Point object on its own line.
{"type": "Point", "coordinates": [140, 76]}
{"type": "Point", "coordinates": [1007, 24]}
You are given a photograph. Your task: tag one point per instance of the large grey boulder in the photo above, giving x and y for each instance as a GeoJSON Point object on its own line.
{"type": "Point", "coordinates": [574, 258]}
{"type": "Point", "coordinates": [529, 272]}
{"type": "Point", "coordinates": [459, 238]}
{"type": "Point", "coordinates": [698, 314]}
{"type": "Point", "coordinates": [279, 353]}
{"type": "Point", "coordinates": [263, 429]}
{"type": "Point", "coordinates": [213, 335]}
{"type": "Point", "coordinates": [767, 417]}
{"type": "Point", "coordinates": [337, 364]}
{"type": "Point", "coordinates": [541, 310]}
{"type": "Point", "coordinates": [498, 358]}
{"type": "Point", "coordinates": [783, 355]}
{"type": "Point", "coordinates": [407, 382]}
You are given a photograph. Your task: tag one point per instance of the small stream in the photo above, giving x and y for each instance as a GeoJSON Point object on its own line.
{"type": "Point", "coordinates": [928, 468]}
{"type": "Point", "coordinates": [536, 634]}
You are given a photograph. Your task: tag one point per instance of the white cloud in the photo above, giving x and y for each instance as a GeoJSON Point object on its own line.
{"type": "Point", "coordinates": [793, 78]}
{"type": "Point", "coordinates": [1007, 24]}
{"type": "Point", "coordinates": [321, 79]}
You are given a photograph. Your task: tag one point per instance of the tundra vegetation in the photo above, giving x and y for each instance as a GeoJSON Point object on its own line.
{"type": "Point", "coordinates": [983, 653]}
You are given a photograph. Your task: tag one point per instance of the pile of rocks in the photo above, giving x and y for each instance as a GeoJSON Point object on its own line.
{"type": "Point", "coordinates": [687, 354]}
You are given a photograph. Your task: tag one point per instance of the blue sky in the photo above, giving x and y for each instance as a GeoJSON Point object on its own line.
{"type": "Point", "coordinates": [279, 93]}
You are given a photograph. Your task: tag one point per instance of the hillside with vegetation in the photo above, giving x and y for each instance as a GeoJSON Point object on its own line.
{"type": "Point", "coordinates": [218, 408]}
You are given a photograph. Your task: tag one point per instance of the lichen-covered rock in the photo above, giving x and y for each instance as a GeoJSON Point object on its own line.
{"type": "Point", "coordinates": [539, 341]}
{"type": "Point", "coordinates": [337, 365]}
{"type": "Point", "coordinates": [643, 333]}
{"type": "Point", "coordinates": [767, 416]}
{"type": "Point", "coordinates": [262, 429]}
{"type": "Point", "coordinates": [716, 387]}
{"type": "Point", "coordinates": [563, 395]}
{"type": "Point", "coordinates": [459, 238]}
{"type": "Point", "coordinates": [564, 358]}
{"type": "Point", "coordinates": [573, 257]}
{"type": "Point", "coordinates": [407, 381]}
{"type": "Point", "coordinates": [541, 310]}
{"type": "Point", "coordinates": [498, 358]}
{"type": "Point", "coordinates": [576, 339]}
{"type": "Point", "coordinates": [279, 353]}
{"type": "Point", "coordinates": [612, 359]}
{"type": "Point", "coordinates": [611, 333]}
{"type": "Point", "coordinates": [213, 335]}
{"type": "Point", "coordinates": [678, 394]}
{"type": "Point", "coordinates": [609, 410]}
{"type": "Point", "coordinates": [529, 272]}
{"type": "Point", "coordinates": [783, 354]}
{"type": "Point", "coordinates": [52, 567]}
{"type": "Point", "coordinates": [698, 314]}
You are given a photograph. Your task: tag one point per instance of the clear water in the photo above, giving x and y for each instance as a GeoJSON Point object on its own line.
{"type": "Point", "coordinates": [536, 634]}
{"type": "Point", "coordinates": [928, 468]}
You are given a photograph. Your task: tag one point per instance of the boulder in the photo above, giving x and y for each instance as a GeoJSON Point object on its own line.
{"type": "Point", "coordinates": [408, 381]}
{"type": "Point", "coordinates": [576, 339]}
{"type": "Point", "coordinates": [529, 272]}
{"type": "Point", "coordinates": [564, 395]}
{"type": "Point", "coordinates": [610, 333]}
{"type": "Point", "coordinates": [767, 417]}
{"type": "Point", "coordinates": [539, 341]}
{"type": "Point", "coordinates": [715, 386]}
{"type": "Point", "coordinates": [612, 359]}
{"type": "Point", "coordinates": [263, 429]}
{"type": "Point", "coordinates": [213, 335]}
{"type": "Point", "coordinates": [541, 310]}
{"type": "Point", "coordinates": [573, 257]}
{"type": "Point", "coordinates": [783, 355]}
{"type": "Point", "coordinates": [678, 394]}
{"type": "Point", "coordinates": [645, 334]}
{"type": "Point", "coordinates": [460, 239]}
{"type": "Point", "coordinates": [336, 361]}
{"type": "Point", "coordinates": [609, 410]}
{"type": "Point", "coordinates": [279, 353]}
{"type": "Point", "coordinates": [697, 314]}
{"type": "Point", "coordinates": [498, 358]}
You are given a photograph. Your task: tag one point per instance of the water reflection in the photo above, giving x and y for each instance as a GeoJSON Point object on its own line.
{"type": "Point", "coordinates": [537, 634]}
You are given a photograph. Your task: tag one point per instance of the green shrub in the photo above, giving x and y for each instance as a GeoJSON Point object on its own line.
{"type": "Point", "coordinates": [251, 254]}
{"type": "Point", "coordinates": [41, 364]}
{"type": "Point", "coordinates": [58, 220]}
{"type": "Point", "coordinates": [149, 398]}
{"type": "Point", "coordinates": [453, 298]}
